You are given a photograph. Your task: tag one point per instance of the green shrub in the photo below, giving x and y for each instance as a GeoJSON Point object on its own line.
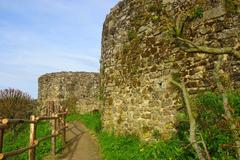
{"type": "Point", "coordinates": [234, 101]}
{"type": "Point", "coordinates": [213, 126]}
{"type": "Point", "coordinates": [211, 102]}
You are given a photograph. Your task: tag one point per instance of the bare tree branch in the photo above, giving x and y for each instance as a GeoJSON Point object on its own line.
{"type": "Point", "coordinates": [193, 48]}
{"type": "Point", "coordinates": [192, 121]}
{"type": "Point", "coordinates": [205, 147]}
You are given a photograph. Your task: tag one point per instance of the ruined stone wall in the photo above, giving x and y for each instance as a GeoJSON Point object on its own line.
{"type": "Point", "coordinates": [140, 55]}
{"type": "Point", "coordinates": [80, 87]}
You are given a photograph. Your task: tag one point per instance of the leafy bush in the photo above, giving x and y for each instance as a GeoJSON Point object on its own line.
{"type": "Point", "coordinates": [213, 126]}
{"type": "Point", "coordinates": [234, 101]}
{"type": "Point", "coordinates": [15, 104]}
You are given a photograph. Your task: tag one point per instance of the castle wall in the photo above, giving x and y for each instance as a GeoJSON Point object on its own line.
{"type": "Point", "coordinates": [139, 57]}
{"type": "Point", "coordinates": [80, 87]}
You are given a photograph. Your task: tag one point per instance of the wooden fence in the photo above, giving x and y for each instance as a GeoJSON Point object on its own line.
{"type": "Point", "coordinates": [53, 113]}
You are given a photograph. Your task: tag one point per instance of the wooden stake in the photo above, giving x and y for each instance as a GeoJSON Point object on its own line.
{"type": "Point", "coordinates": [57, 110]}
{"type": "Point", "coordinates": [32, 138]}
{"type": "Point", "coordinates": [47, 110]}
{"type": "Point", "coordinates": [1, 156]}
{"type": "Point", "coordinates": [53, 139]}
{"type": "Point", "coordinates": [1, 139]}
{"type": "Point", "coordinates": [5, 121]}
{"type": "Point", "coordinates": [63, 124]}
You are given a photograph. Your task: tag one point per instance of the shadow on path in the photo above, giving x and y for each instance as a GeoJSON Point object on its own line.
{"type": "Point", "coordinates": [80, 144]}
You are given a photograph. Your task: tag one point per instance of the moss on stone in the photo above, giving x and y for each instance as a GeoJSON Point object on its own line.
{"type": "Point", "coordinates": [232, 6]}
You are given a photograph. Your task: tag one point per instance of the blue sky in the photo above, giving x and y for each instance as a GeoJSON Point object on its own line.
{"type": "Point", "coordinates": [43, 36]}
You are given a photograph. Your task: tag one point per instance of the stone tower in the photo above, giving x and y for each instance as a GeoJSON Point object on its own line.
{"type": "Point", "coordinates": [140, 55]}
{"type": "Point", "coordinates": [82, 87]}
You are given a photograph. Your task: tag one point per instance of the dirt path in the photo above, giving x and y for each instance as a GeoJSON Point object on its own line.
{"type": "Point", "coordinates": [81, 145]}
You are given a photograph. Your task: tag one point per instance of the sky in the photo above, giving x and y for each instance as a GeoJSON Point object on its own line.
{"type": "Point", "coordinates": [44, 36]}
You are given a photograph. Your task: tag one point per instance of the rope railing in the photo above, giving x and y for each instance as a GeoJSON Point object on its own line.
{"type": "Point", "coordinates": [55, 114]}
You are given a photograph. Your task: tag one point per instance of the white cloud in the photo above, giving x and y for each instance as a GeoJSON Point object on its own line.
{"type": "Point", "coordinates": [42, 36]}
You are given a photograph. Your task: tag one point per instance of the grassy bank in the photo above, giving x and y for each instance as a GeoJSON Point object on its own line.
{"type": "Point", "coordinates": [212, 126]}
{"type": "Point", "coordinates": [130, 147]}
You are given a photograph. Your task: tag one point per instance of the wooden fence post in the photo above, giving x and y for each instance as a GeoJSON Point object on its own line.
{"type": "Point", "coordinates": [47, 110]}
{"type": "Point", "coordinates": [53, 139]}
{"type": "Point", "coordinates": [32, 137]}
{"type": "Point", "coordinates": [63, 124]}
{"type": "Point", "coordinates": [1, 139]}
{"type": "Point", "coordinates": [57, 110]}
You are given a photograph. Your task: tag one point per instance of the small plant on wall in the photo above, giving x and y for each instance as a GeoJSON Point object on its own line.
{"type": "Point", "coordinates": [156, 8]}
{"type": "Point", "coordinates": [132, 35]}
{"type": "Point", "coordinates": [232, 6]}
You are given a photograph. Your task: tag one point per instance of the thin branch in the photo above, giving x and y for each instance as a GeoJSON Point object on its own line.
{"type": "Point", "coordinates": [193, 48]}
{"type": "Point", "coordinates": [229, 146]}
{"type": "Point", "coordinates": [205, 147]}
{"type": "Point", "coordinates": [192, 121]}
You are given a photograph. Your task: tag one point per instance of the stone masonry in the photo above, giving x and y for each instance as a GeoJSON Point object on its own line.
{"type": "Point", "coordinates": [80, 87]}
{"type": "Point", "coordinates": [140, 55]}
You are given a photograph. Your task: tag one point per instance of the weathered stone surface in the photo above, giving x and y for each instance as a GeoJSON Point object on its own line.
{"type": "Point", "coordinates": [61, 86]}
{"type": "Point", "coordinates": [140, 56]}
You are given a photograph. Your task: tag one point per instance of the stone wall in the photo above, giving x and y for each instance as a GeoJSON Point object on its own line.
{"type": "Point", "coordinates": [140, 55]}
{"type": "Point", "coordinates": [79, 87]}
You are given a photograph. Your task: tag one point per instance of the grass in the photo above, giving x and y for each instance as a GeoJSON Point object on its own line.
{"type": "Point", "coordinates": [19, 138]}
{"type": "Point", "coordinates": [130, 147]}
{"type": "Point", "coordinates": [214, 129]}
{"type": "Point", "coordinates": [208, 111]}
{"type": "Point", "coordinates": [91, 120]}
{"type": "Point", "coordinates": [127, 147]}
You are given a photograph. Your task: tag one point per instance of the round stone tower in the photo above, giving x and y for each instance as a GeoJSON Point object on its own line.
{"type": "Point", "coordinates": [80, 87]}
{"type": "Point", "coordinates": [140, 55]}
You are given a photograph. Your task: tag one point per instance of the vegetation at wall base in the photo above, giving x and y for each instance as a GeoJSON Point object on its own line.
{"type": "Point", "coordinates": [127, 147]}
{"type": "Point", "coordinates": [211, 126]}
{"type": "Point", "coordinates": [214, 127]}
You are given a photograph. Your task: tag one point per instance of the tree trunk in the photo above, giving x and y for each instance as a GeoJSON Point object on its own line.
{"type": "Point", "coordinates": [192, 121]}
